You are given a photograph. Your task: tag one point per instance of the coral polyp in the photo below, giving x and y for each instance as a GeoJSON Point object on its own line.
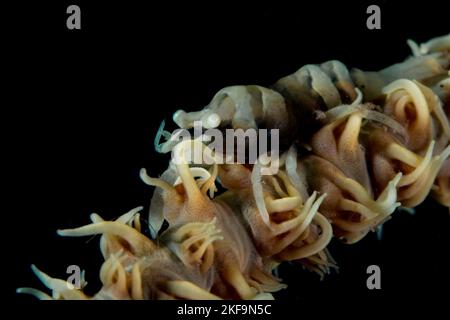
{"type": "Point", "coordinates": [355, 145]}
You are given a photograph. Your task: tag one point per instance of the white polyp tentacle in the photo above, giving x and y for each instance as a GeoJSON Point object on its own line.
{"type": "Point", "coordinates": [311, 211]}
{"type": "Point", "coordinates": [439, 111]}
{"type": "Point", "coordinates": [172, 139]}
{"type": "Point", "coordinates": [136, 283]}
{"type": "Point", "coordinates": [56, 285]}
{"type": "Point", "coordinates": [95, 218]}
{"type": "Point", "coordinates": [188, 290]}
{"type": "Point", "coordinates": [201, 234]}
{"type": "Point", "coordinates": [435, 107]}
{"type": "Point", "coordinates": [284, 204]}
{"type": "Point", "coordinates": [156, 217]}
{"type": "Point", "coordinates": [206, 181]}
{"type": "Point", "coordinates": [294, 177]}
{"type": "Point", "coordinates": [385, 120]}
{"type": "Point", "coordinates": [322, 269]}
{"type": "Point", "coordinates": [354, 237]}
{"type": "Point", "coordinates": [120, 281]}
{"type": "Point", "coordinates": [418, 182]}
{"type": "Point", "coordinates": [117, 273]}
{"type": "Point", "coordinates": [315, 247]}
{"type": "Point", "coordinates": [210, 185]}
{"type": "Point", "coordinates": [289, 203]}
{"type": "Point", "coordinates": [34, 292]}
{"type": "Point", "coordinates": [300, 223]}
{"type": "Point", "coordinates": [106, 266]}
{"type": "Point", "coordinates": [181, 162]}
{"type": "Point", "coordinates": [303, 236]}
{"type": "Point", "coordinates": [259, 194]}
{"type": "Point", "coordinates": [372, 211]}
{"type": "Point", "coordinates": [60, 288]}
{"type": "Point", "coordinates": [433, 45]}
{"type": "Point", "coordinates": [196, 172]}
{"type": "Point", "coordinates": [355, 189]}
{"type": "Point", "coordinates": [414, 47]}
{"type": "Point", "coordinates": [290, 188]}
{"type": "Point", "coordinates": [190, 186]}
{"type": "Point", "coordinates": [350, 134]}
{"type": "Point", "coordinates": [137, 241]}
{"type": "Point", "coordinates": [400, 153]}
{"type": "Point", "coordinates": [353, 206]}
{"type": "Point", "coordinates": [130, 215]}
{"type": "Point", "coordinates": [424, 183]}
{"type": "Point", "coordinates": [360, 227]}
{"type": "Point", "coordinates": [411, 87]}
{"type": "Point", "coordinates": [344, 110]}
{"type": "Point", "coordinates": [137, 222]}
{"type": "Point", "coordinates": [109, 267]}
{"type": "Point", "coordinates": [263, 296]}
{"type": "Point", "coordinates": [420, 169]}
{"type": "Point", "coordinates": [261, 280]}
{"type": "Point", "coordinates": [324, 258]}
{"type": "Point", "coordinates": [155, 182]}
{"type": "Point", "coordinates": [161, 133]}
{"type": "Point", "coordinates": [181, 232]}
{"type": "Point", "coordinates": [386, 201]}
{"type": "Point", "coordinates": [280, 192]}
{"type": "Point", "coordinates": [201, 250]}
{"type": "Point", "coordinates": [400, 107]}
{"type": "Point", "coordinates": [131, 218]}
{"type": "Point", "coordinates": [358, 99]}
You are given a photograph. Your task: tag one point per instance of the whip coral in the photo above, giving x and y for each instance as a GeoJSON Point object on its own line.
{"type": "Point", "coordinates": [356, 145]}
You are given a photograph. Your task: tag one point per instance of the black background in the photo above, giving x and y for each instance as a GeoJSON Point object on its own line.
{"type": "Point", "coordinates": [81, 109]}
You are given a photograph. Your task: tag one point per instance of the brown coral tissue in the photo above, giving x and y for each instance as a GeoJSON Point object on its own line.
{"type": "Point", "coordinates": [354, 146]}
